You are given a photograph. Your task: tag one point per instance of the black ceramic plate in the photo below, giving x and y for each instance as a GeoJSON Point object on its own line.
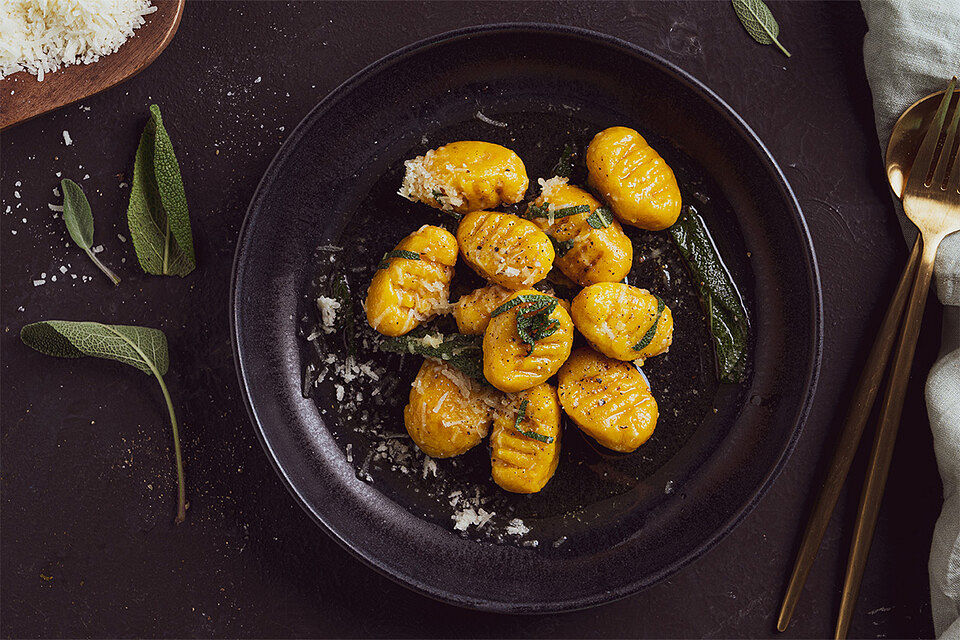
{"type": "Point", "coordinates": [606, 525]}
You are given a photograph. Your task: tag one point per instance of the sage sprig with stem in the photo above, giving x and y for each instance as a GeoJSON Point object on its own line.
{"type": "Point", "coordinates": [756, 18]}
{"type": "Point", "coordinates": [79, 220]}
{"type": "Point", "coordinates": [140, 347]}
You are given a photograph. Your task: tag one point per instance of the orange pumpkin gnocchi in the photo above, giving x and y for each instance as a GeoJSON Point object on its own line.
{"type": "Point", "coordinates": [623, 322]}
{"type": "Point", "coordinates": [525, 449]}
{"type": "Point", "coordinates": [505, 248]}
{"type": "Point", "coordinates": [413, 281]}
{"type": "Point", "coordinates": [633, 179]}
{"type": "Point", "coordinates": [527, 342]}
{"type": "Point", "coordinates": [608, 399]}
{"type": "Point", "coordinates": [447, 413]}
{"type": "Point", "coordinates": [472, 311]}
{"type": "Point", "coordinates": [591, 246]}
{"type": "Point", "coordinates": [465, 176]}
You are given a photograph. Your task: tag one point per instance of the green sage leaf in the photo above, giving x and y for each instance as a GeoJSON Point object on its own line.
{"type": "Point", "coordinates": [140, 347]}
{"type": "Point", "coordinates": [521, 415]}
{"type": "Point", "coordinates": [77, 214]}
{"type": "Point", "coordinates": [464, 352]}
{"type": "Point", "coordinates": [727, 316]}
{"type": "Point", "coordinates": [652, 331]}
{"type": "Point", "coordinates": [340, 291]}
{"type": "Point", "coordinates": [79, 220]}
{"type": "Point", "coordinates": [157, 214]}
{"type": "Point", "coordinates": [397, 253]}
{"type": "Point", "coordinates": [564, 166]}
{"type": "Point", "coordinates": [535, 211]}
{"type": "Point", "coordinates": [756, 18]}
{"type": "Point", "coordinates": [601, 218]}
{"type": "Point", "coordinates": [516, 302]}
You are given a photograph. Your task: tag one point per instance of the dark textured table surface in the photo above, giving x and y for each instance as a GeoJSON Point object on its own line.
{"type": "Point", "coordinates": [88, 544]}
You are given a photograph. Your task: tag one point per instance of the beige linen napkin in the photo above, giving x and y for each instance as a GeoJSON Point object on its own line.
{"type": "Point", "coordinates": [913, 49]}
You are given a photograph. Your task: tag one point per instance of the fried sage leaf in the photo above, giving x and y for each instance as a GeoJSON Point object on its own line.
{"type": "Point", "coordinates": [729, 324]}
{"type": "Point", "coordinates": [601, 218]}
{"type": "Point", "coordinates": [652, 331]}
{"type": "Point", "coordinates": [140, 347]}
{"type": "Point", "coordinates": [464, 352]}
{"type": "Point", "coordinates": [568, 157]}
{"type": "Point", "coordinates": [157, 214]}
{"type": "Point", "coordinates": [521, 415]}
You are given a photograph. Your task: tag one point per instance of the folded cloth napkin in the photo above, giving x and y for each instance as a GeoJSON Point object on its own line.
{"type": "Point", "coordinates": [912, 49]}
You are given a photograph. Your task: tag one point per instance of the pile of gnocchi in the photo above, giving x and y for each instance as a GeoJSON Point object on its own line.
{"type": "Point", "coordinates": [527, 330]}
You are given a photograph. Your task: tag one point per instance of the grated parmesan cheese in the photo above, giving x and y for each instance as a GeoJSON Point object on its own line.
{"type": "Point", "coordinates": [547, 186]}
{"type": "Point", "coordinates": [510, 272]}
{"type": "Point", "coordinates": [419, 185]}
{"type": "Point", "coordinates": [516, 527]}
{"type": "Point", "coordinates": [487, 120]}
{"type": "Point", "coordinates": [464, 518]}
{"type": "Point", "coordinates": [40, 36]}
{"type": "Point", "coordinates": [430, 340]}
{"type": "Point", "coordinates": [328, 313]}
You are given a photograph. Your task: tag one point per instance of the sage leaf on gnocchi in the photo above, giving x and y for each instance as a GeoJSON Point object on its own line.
{"type": "Point", "coordinates": [397, 253]}
{"type": "Point", "coordinates": [157, 214]}
{"type": "Point", "coordinates": [523, 299]}
{"type": "Point", "coordinates": [533, 320]}
{"type": "Point", "coordinates": [729, 323]}
{"type": "Point", "coordinates": [652, 331]}
{"type": "Point", "coordinates": [140, 347]}
{"type": "Point", "coordinates": [543, 211]}
{"type": "Point", "coordinates": [79, 220]}
{"type": "Point", "coordinates": [601, 218]}
{"type": "Point", "coordinates": [521, 415]}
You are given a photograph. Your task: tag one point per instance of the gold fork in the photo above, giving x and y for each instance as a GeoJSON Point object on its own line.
{"type": "Point", "coordinates": [933, 204]}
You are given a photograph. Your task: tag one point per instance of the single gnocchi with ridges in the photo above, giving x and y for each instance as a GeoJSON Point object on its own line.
{"type": "Point", "coordinates": [633, 179]}
{"type": "Point", "coordinates": [412, 282]}
{"type": "Point", "coordinates": [447, 413]}
{"type": "Point", "coordinates": [590, 244]}
{"type": "Point", "coordinates": [609, 400]}
{"type": "Point", "coordinates": [525, 441]}
{"type": "Point", "coordinates": [527, 340]}
{"type": "Point", "coordinates": [505, 249]}
{"type": "Point", "coordinates": [622, 321]}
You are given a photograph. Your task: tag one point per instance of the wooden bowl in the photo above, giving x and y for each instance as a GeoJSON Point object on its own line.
{"type": "Point", "coordinates": [24, 97]}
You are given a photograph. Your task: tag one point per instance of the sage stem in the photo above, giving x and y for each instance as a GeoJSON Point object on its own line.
{"type": "Point", "coordinates": [181, 480]}
{"type": "Point", "coordinates": [106, 270]}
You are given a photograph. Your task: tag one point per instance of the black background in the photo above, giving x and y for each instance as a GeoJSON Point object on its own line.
{"type": "Point", "coordinates": [87, 479]}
